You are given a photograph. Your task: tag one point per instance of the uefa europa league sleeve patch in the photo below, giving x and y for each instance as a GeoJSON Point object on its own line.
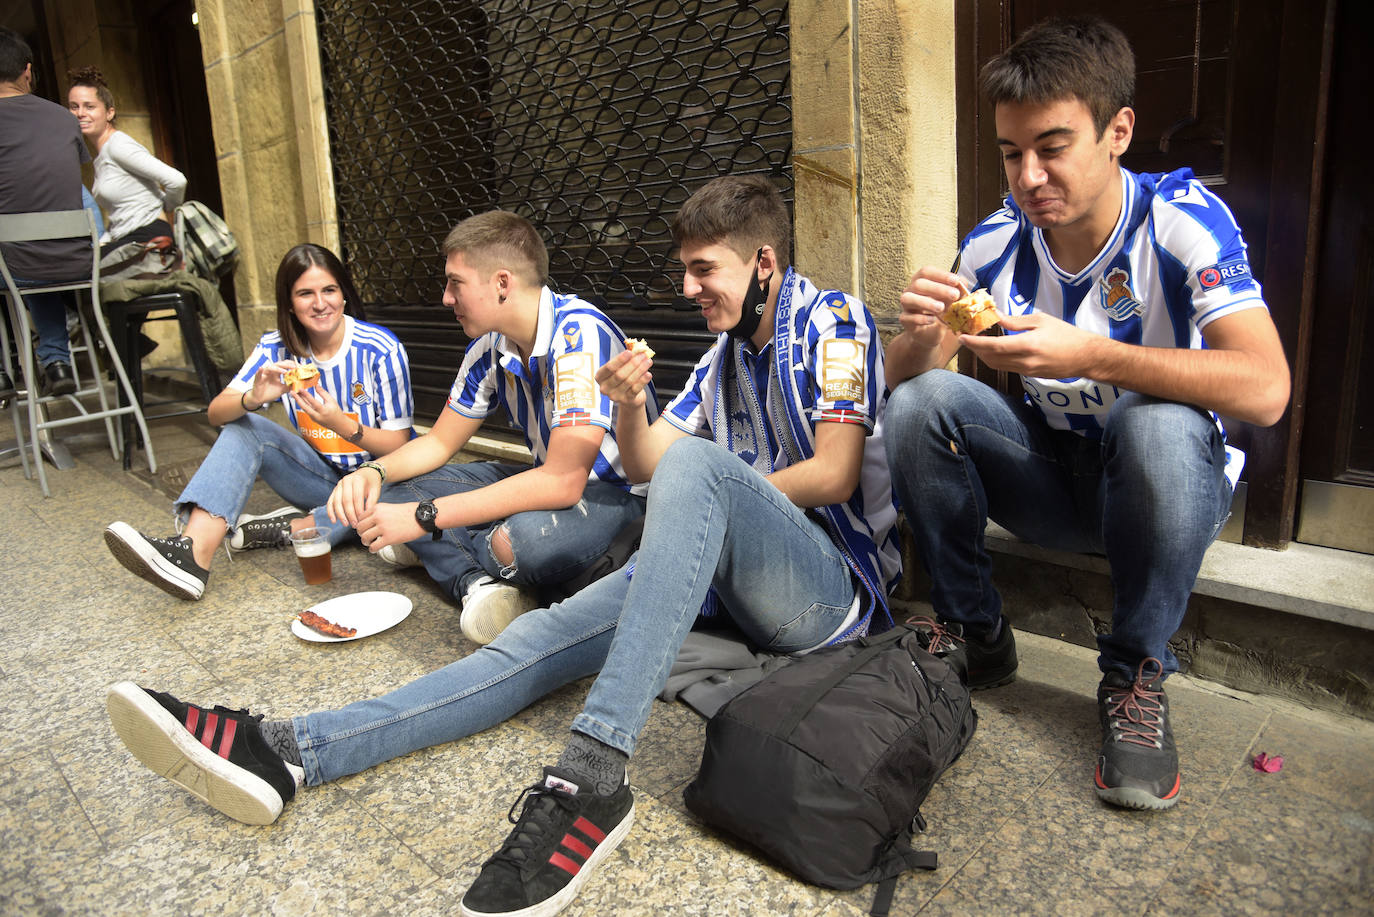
{"type": "Point", "coordinates": [575, 379]}
{"type": "Point", "coordinates": [843, 370]}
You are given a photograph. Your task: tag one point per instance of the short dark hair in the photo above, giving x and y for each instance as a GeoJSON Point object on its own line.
{"type": "Point", "coordinates": [742, 212]}
{"type": "Point", "coordinates": [295, 263]}
{"type": "Point", "coordinates": [1080, 57]}
{"type": "Point", "coordinates": [15, 55]}
{"type": "Point", "coordinates": [501, 240]}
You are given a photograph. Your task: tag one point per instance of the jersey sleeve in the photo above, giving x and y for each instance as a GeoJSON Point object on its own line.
{"type": "Point", "coordinates": [580, 347]}
{"type": "Point", "coordinates": [263, 353]}
{"type": "Point", "coordinates": [395, 402]}
{"type": "Point", "coordinates": [474, 390]}
{"type": "Point", "coordinates": [1211, 249]}
{"type": "Point", "coordinates": [690, 411]}
{"type": "Point", "coordinates": [846, 361]}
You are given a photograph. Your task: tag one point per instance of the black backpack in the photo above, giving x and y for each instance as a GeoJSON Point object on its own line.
{"type": "Point", "coordinates": [823, 765]}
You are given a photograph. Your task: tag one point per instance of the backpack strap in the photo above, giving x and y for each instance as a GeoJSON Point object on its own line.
{"type": "Point", "coordinates": [903, 858]}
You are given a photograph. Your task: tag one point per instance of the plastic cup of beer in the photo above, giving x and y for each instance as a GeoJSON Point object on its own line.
{"type": "Point", "coordinates": [312, 550]}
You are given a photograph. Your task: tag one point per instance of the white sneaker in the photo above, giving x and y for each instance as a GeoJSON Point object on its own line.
{"type": "Point", "coordinates": [490, 606]}
{"type": "Point", "coordinates": [399, 555]}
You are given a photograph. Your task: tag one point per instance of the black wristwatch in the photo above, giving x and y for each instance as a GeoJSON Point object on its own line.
{"type": "Point", "coordinates": [425, 514]}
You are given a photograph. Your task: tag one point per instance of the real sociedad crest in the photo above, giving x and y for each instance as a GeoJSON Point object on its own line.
{"type": "Point", "coordinates": [1117, 299]}
{"type": "Point", "coordinates": [357, 393]}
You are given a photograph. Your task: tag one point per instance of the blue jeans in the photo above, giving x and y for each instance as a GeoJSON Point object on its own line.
{"type": "Point", "coordinates": [254, 446]}
{"type": "Point", "coordinates": [1151, 496]}
{"type": "Point", "coordinates": [786, 586]}
{"type": "Point", "coordinates": [538, 653]}
{"type": "Point", "coordinates": [713, 521]}
{"type": "Point", "coordinates": [49, 314]}
{"type": "Point", "coordinates": [548, 546]}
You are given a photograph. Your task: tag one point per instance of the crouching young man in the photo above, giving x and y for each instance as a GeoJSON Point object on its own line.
{"type": "Point", "coordinates": [769, 502]}
{"type": "Point", "coordinates": [1131, 315]}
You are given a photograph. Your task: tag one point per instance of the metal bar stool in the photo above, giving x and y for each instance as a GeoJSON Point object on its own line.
{"type": "Point", "coordinates": [65, 224]}
{"type": "Point", "coordinates": [184, 307]}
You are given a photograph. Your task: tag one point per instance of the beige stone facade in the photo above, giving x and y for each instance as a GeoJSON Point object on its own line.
{"type": "Point", "coordinates": [873, 137]}
{"type": "Point", "coordinates": [873, 140]}
{"type": "Point", "coordinates": [262, 73]}
{"type": "Point", "coordinates": [873, 132]}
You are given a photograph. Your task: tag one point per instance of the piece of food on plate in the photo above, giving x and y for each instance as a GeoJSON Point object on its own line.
{"type": "Point", "coordinates": [637, 345]}
{"type": "Point", "coordinates": [302, 377]}
{"type": "Point", "coordinates": [972, 313]}
{"type": "Point", "coordinates": [325, 626]}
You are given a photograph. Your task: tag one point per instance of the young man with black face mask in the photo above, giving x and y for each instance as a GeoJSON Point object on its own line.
{"type": "Point", "coordinates": [769, 503]}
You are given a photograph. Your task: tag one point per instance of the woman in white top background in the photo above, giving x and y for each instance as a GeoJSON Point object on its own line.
{"type": "Point", "coordinates": [136, 190]}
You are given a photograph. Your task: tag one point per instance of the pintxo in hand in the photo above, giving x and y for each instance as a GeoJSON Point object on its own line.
{"type": "Point", "coordinates": [972, 313]}
{"type": "Point", "coordinates": [302, 377]}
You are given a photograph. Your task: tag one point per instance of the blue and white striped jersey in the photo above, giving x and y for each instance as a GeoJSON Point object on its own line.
{"type": "Point", "coordinates": [1174, 263]}
{"type": "Point", "coordinates": [369, 377]}
{"type": "Point", "coordinates": [557, 387]}
{"type": "Point", "coordinates": [835, 369]}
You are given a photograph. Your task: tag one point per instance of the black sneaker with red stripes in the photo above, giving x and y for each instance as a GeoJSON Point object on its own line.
{"type": "Point", "coordinates": [564, 833]}
{"type": "Point", "coordinates": [216, 754]}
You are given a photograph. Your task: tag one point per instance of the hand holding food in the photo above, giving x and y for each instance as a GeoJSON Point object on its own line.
{"type": "Point", "coordinates": [972, 313]}
{"type": "Point", "coordinates": [301, 377]}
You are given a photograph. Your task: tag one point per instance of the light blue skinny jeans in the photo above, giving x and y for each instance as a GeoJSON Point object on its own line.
{"type": "Point", "coordinates": [712, 519]}
{"type": "Point", "coordinates": [548, 546]}
{"type": "Point", "coordinates": [251, 447]}
{"type": "Point", "coordinates": [1150, 495]}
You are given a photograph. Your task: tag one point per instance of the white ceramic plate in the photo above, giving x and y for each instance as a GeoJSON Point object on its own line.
{"type": "Point", "coordinates": [370, 612]}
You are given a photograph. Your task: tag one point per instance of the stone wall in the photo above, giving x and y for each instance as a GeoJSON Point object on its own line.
{"type": "Point", "coordinates": [262, 74]}
{"type": "Point", "coordinates": [873, 142]}
{"type": "Point", "coordinates": [873, 134]}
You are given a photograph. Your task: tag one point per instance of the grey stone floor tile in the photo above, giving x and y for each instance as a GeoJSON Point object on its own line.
{"type": "Point", "coordinates": [42, 829]}
{"type": "Point", "coordinates": [84, 828]}
{"type": "Point", "coordinates": [1300, 839]}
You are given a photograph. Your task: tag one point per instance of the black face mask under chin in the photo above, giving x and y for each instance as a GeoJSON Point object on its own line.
{"type": "Point", "coordinates": [755, 298]}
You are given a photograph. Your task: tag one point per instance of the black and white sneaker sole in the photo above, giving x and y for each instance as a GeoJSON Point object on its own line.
{"type": "Point", "coordinates": [552, 905]}
{"type": "Point", "coordinates": [169, 750]}
{"type": "Point", "coordinates": [140, 558]}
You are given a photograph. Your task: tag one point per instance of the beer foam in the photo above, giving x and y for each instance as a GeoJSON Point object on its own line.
{"type": "Point", "coordinates": [311, 548]}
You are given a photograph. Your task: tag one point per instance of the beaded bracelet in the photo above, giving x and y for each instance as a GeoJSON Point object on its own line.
{"type": "Point", "coordinates": [375, 467]}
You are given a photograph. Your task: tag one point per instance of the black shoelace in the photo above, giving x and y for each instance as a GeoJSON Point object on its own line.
{"type": "Point", "coordinates": [537, 823]}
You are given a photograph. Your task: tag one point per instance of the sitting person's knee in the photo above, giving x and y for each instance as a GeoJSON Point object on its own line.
{"type": "Point", "coordinates": [501, 547]}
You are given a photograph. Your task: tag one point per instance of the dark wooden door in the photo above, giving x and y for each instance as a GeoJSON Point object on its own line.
{"type": "Point", "coordinates": [1235, 90]}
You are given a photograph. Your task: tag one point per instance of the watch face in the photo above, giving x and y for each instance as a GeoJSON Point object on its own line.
{"type": "Point", "coordinates": [425, 514]}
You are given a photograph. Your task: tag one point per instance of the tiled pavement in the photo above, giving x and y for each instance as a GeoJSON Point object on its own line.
{"type": "Point", "coordinates": [84, 828]}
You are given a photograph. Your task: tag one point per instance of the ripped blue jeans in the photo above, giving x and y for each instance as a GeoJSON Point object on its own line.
{"type": "Point", "coordinates": [548, 546]}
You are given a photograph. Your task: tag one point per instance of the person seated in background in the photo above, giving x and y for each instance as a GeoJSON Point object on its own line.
{"type": "Point", "coordinates": [40, 170]}
{"type": "Point", "coordinates": [1130, 313]}
{"type": "Point", "coordinates": [360, 408]}
{"type": "Point", "coordinates": [137, 191]}
{"type": "Point", "coordinates": [484, 530]}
